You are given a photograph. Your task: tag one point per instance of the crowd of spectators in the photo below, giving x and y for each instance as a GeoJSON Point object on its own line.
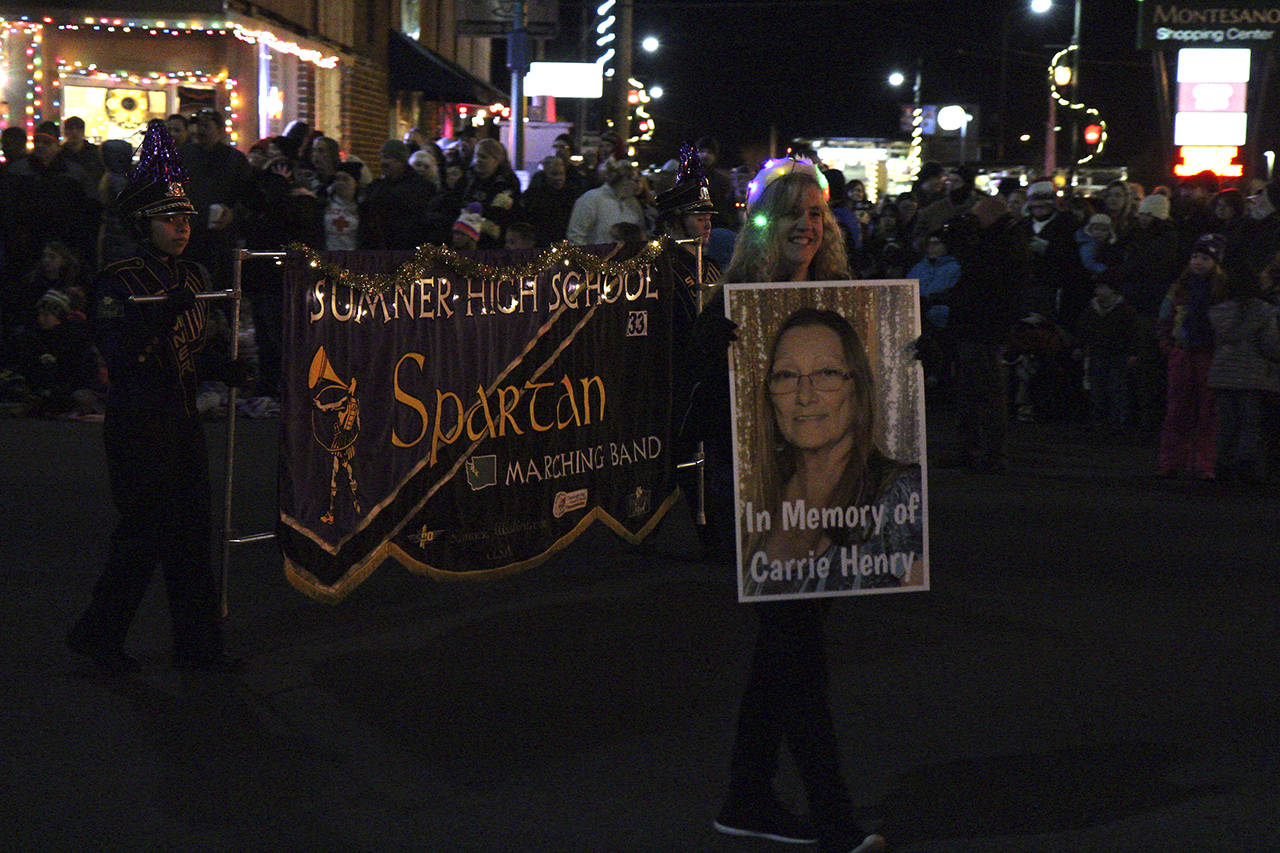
{"type": "Point", "coordinates": [1146, 316]}
{"type": "Point", "coordinates": [1036, 304]}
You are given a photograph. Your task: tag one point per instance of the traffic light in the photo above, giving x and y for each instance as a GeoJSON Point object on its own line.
{"type": "Point", "coordinates": [1092, 134]}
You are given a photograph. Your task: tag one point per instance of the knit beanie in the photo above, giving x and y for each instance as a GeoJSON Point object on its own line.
{"type": "Point", "coordinates": [394, 149]}
{"type": "Point", "coordinates": [1155, 205]}
{"type": "Point", "coordinates": [1212, 245]}
{"type": "Point", "coordinates": [1042, 190]}
{"type": "Point", "coordinates": [55, 302]}
{"type": "Point", "coordinates": [470, 221]}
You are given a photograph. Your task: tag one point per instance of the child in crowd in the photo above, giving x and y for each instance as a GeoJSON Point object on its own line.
{"type": "Point", "coordinates": [342, 214]}
{"type": "Point", "coordinates": [58, 269]}
{"type": "Point", "coordinates": [63, 372]}
{"type": "Point", "coordinates": [937, 272]}
{"type": "Point", "coordinates": [521, 235]}
{"type": "Point", "coordinates": [466, 230]}
{"type": "Point", "coordinates": [1188, 436]}
{"type": "Point", "coordinates": [1107, 341]}
{"type": "Point", "coordinates": [1097, 242]}
{"type": "Point", "coordinates": [1245, 367]}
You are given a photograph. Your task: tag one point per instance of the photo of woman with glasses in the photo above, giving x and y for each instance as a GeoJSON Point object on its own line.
{"type": "Point", "coordinates": [839, 514]}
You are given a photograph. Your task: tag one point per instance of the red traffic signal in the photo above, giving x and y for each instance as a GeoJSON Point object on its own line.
{"type": "Point", "coordinates": [1092, 134]}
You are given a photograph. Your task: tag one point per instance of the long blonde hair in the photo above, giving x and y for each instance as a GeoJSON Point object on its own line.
{"type": "Point", "coordinates": [758, 253]}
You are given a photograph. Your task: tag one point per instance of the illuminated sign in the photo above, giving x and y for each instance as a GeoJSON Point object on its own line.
{"type": "Point", "coordinates": [1209, 128]}
{"type": "Point", "coordinates": [1213, 65]}
{"type": "Point", "coordinates": [1214, 158]}
{"type": "Point", "coordinates": [1212, 91]}
{"type": "Point", "coordinates": [1212, 97]}
{"type": "Point", "coordinates": [1173, 24]}
{"type": "Point", "coordinates": [564, 80]}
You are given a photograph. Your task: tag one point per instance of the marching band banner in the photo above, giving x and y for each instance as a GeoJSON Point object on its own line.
{"type": "Point", "coordinates": [470, 419]}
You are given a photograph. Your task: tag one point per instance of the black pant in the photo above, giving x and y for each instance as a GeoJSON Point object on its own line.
{"type": "Point", "coordinates": [159, 473]}
{"type": "Point", "coordinates": [981, 403]}
{"type": "Point", "coordinates": [787, 698]}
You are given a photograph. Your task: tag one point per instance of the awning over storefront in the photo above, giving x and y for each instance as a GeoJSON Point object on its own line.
{"type": "Point", "coordinates": [413, 68]}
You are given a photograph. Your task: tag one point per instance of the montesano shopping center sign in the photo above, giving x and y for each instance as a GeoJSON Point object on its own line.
{"type": "Point", "coordinates": [1173, 24]}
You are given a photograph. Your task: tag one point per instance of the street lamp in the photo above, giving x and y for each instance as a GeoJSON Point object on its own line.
{"type": "Point", "coordinates": [956, 117]}
{"type": "Point", "coordinates": [1064, 76]}
{"type": "Point", "coordinates": [896, 79]}
{"type": "Point", "coordinates": [650, 44]}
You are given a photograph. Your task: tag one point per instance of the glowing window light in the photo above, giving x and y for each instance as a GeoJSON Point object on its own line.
{"type": "Point", "coordinates": [275, 103]}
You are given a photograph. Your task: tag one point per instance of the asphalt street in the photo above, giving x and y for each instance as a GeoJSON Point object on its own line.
{"type": "Point", "coordinates": [1094, 670]}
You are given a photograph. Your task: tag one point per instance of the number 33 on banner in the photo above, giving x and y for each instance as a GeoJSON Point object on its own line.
{"type": "Point", "coordinates": [637, 324]}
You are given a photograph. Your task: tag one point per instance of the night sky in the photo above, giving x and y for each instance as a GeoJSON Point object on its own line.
{"type": "Point", "coordinates": [819, 67]}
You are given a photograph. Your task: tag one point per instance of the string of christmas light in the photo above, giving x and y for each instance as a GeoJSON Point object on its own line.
{"type": "Point", "coordinates": [1057, 95]}
{"type": "Point", "coordinates": [179, 28]}
{"type": "Point", "coordinates": [31, 62]}
{"type": "Point", "coordinates": [35, 76]}
{"type": "Point", "coordinates": [93, 73]}
{"type": "Point", "coordinates": [429, 259]}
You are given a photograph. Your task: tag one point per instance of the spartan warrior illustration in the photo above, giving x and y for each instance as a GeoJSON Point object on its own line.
{"type": "Point", "coordinates": [336, 425]}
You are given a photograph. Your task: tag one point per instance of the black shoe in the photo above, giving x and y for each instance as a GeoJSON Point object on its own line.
{"type": "Point", "coordinates": [763, 817]}
{"type": "Point", "coordinates": [111, 659]}
{"type": "Point", "coordinates": [215, 662]}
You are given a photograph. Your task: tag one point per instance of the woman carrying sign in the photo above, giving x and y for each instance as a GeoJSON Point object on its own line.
{"type": "Point", "coordinates": [790, 236]}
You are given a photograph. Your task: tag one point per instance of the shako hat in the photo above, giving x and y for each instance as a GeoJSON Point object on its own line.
{"type": "Point", "coordinates": [690, 193]}
{"type": "Point", "coordinates": [156, 186]}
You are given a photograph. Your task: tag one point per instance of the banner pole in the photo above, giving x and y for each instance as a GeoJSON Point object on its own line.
{"type": "Point", "coordinates": [229, 479]}
{"type": "Point", "coordinates": [701, 453]}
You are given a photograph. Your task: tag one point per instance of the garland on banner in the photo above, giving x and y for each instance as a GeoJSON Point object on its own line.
{"type": "Point", "coordinates": [429, 257]}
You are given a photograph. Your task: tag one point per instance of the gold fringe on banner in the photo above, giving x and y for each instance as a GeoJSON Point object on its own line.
{"type": "Point", "coordinates": [429, 259]}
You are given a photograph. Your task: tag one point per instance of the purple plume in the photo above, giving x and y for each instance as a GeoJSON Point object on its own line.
{"type": "Point", "coordinates": [158, 157]}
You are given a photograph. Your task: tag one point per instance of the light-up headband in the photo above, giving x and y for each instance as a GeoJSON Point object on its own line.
{"type": "Point", "coordinates": [777, 168]}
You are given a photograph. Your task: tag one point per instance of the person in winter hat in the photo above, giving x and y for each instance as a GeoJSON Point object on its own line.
{"type": "Point", "coordinates": [1188, 435]}
{"type": "Point", "coordinates": [1107, 338]}
{"type": "Point", "coordinates": [467, 228]}
{"type": "Point", "coordinates": [1155, 205]}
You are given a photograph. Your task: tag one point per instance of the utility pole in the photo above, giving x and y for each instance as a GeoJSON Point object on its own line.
{"type": "Point", "coordinates": [626, 46]}
{"type": "Point", "coordinates": [1075, 99]}
{"type": "Point", "coordinates": [518, 50]}
{"type": "Point", "coordinates": [1051, 137]}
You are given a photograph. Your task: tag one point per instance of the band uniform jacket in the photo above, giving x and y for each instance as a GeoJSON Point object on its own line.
{"type": "Point", "coordinates": [150, 353]}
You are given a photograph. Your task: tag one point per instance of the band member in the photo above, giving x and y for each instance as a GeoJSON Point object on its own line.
{"type": "Point", "coordinates": [156, 458]}
{"type": "Point", "coordinates": [684, 214]}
